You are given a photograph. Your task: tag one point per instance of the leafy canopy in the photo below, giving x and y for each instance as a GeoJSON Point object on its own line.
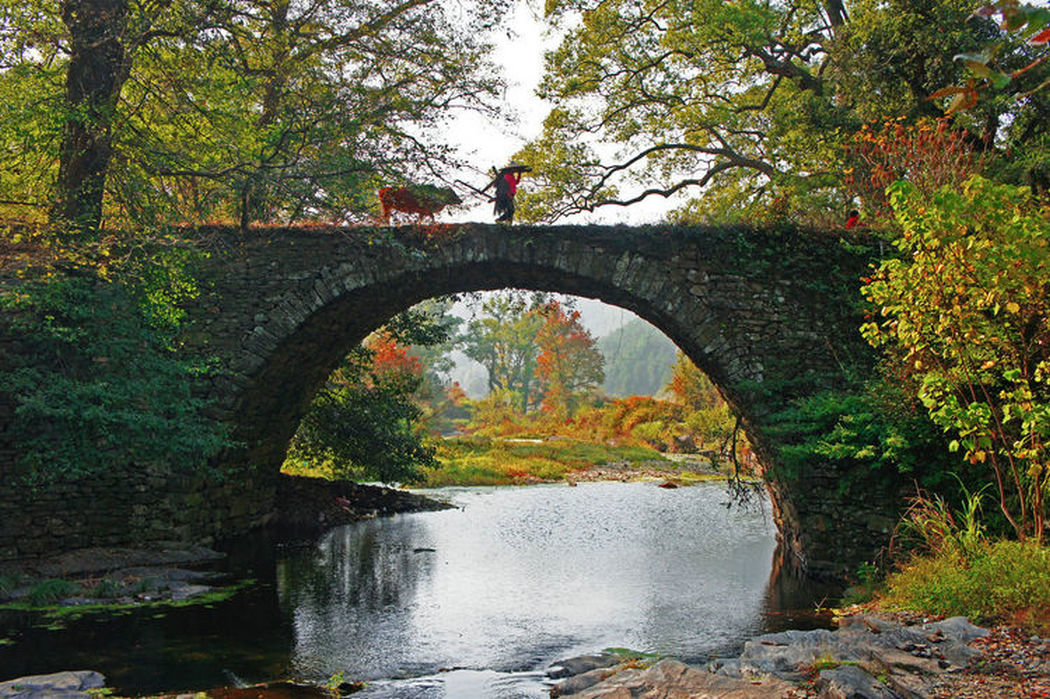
{"type": "Point", "coordinates": [101, 383]}
{"type": "Point", "coordinates": [253, 110]}
{"type": "Point", "coordinates": [749, 102]}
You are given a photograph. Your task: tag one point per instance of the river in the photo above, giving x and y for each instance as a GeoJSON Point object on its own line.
{"type": "Point", "coordinates": [475, 601]}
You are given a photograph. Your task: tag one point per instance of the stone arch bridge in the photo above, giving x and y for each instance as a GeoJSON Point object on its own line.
{"type": "Point", "coordinates": [769, 315]}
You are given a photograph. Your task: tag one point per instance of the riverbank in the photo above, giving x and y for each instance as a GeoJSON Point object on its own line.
{"type": "Point", "coordinates": [869, 655]}
{"type": "Point", "coordinates": [100, 579]}
{"type": "Point", "coordinates": [308, 566]}
{"type": "Point", "coordinates": [877, 655]}
{"type": "Point", "coordinates": [478, 461]}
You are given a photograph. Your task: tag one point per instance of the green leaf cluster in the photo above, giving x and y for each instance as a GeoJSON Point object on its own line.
{"type": "Point", "coordinates": [98, 384]}
{"type": "Point", "coordinates": [250, 110]}
{"type": "Point", "coordinates": [363, 426]}
{"type": "Point", "coordinates": [872, 428]}
{"type": "Point", "coordinates": [366, 422]}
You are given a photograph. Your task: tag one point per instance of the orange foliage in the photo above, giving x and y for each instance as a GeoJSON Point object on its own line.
{"type": "Point", "coordinates": [392, 360]}
{"type": "Point", "coordinates": [929, 154]}
{"type": "Point", "coordinates": [567, 361]}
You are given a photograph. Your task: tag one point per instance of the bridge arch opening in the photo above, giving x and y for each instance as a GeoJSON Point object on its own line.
{"type": "Point", "coordinates": [615, 367]}
{"type": "Point", "coordinates": [276, 401]}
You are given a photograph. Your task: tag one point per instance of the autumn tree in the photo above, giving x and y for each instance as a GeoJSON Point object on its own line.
{"type": "Point", "coordinates": [569, 363]}
{"type": "Point", "coordinates": [690, 386]}
{"type": "Point", "coordinates": [929, 154]}
{"type": "Point", "coordinates": [503, 340]}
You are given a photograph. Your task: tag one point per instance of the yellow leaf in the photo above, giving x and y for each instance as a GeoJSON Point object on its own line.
{"type": "Point", "coordinates": [1013, 307]}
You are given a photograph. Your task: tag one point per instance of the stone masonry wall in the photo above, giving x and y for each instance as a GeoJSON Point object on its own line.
{"type": "Point", "coordinates": [769, 315]}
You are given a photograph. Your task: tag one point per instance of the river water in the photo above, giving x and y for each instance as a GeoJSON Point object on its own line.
{"type": "Point", "coordinates": [472, 602]}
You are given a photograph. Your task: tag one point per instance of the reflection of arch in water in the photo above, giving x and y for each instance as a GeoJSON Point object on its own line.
{"type": "Point", "coordinates": [767, 316]}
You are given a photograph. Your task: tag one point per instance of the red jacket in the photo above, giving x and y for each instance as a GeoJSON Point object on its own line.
{"type": "Point", "coordinates": [512, 178]}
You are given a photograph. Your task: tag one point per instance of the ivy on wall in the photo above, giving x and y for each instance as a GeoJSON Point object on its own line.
{"type": "Point", "coordinates": [97, 382]}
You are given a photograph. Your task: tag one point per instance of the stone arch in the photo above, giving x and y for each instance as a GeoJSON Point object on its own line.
{"type": "Point", "coordinates": [766, 314]}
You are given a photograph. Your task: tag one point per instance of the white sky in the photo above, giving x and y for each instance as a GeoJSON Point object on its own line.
{"type": "Point", "coordinates": [519, 54]}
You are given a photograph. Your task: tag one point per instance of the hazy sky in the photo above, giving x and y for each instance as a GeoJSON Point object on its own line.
{"type": "Point", "coordinates": [519, 54]}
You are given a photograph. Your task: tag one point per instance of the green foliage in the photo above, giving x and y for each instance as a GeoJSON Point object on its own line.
{"type": "Point", "coordinates": [901, 51]}
{"type": "Point", "coordinates": [1004, 582]}
{"type": "Point", "coordinates": [931, 524]}
{"type": "Point", "coordinates": [363, 433]}
{"type": "Point", "coordinates": [877, 427]}
{"type": "Point", "coordinates": [364, 424]}
{"type": "Point", "coordinates": [503, 340]}
{"type": "Point", "coordinates": [101, 384]}
{"type": "Point", "coordinates": [964, 312]}
{"type": "Point", "coordinates": [751, 103]}
{"type": "Point", "coordinates": [106, 588]}
{"type": "Point", "coordinates": [251, 111]}
{"type": "Point", "coordinates": [48, 592]}
{"type": "Point", "coordinates": [485, 461]}
{"type": "Point", "coordinates": [997, 67]}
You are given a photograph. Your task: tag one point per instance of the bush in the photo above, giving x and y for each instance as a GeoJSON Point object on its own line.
{"type": "Point", "coordinates": [100, 384]}
{"type": "Point", "coordinates": [1006, 582]}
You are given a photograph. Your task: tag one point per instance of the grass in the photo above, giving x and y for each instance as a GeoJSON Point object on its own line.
{"type": "Point", "coordinates": [48, 592]}
{"type": "Point", "coordinates": [480, 461]}
{"type": "Point", "coordinates": [994, 582]}
{"type": "Point", "coordinates": [483, 461]}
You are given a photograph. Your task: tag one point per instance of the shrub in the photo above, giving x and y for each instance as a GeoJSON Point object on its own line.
{"type": "Point", "coordinates": [101, 383]}
{"type": "Point", "coordinates": [1006, 581]}
{"type": "Point", "coordinates": [51, 591]}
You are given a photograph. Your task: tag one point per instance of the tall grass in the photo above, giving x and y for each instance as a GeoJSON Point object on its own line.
{"type": "Point", "coordinates": [1000, 582]}
{"type": "Point", "coordinates": [958, 571]}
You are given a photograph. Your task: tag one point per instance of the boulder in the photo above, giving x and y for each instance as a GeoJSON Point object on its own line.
{"type": "Point", "coordinates": [851, 682]}
{"type": "Point", "coordinates": [671, 679]}
{"type": "Point", "coordinates": [60, 685]}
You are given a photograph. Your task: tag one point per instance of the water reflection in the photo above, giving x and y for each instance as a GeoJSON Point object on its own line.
{"type": "Point", "coordinates": [521, 576]}
{"type": "Point", "coordinates": [476, 601]}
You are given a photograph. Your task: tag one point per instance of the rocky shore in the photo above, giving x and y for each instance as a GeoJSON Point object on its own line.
{"type": "Point", "coordinates": [869, 656]}
{"type": "Point", "coordinates": [310, 506]}
{"type": "Point", "coordinates": [111, 577]}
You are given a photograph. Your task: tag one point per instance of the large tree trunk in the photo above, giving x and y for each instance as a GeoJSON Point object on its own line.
{"type": "Point", "coordinates": [96, 73]}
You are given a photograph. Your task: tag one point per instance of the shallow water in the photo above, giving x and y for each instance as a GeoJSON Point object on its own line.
{"type": "Point", "coordinates": [472, 602]}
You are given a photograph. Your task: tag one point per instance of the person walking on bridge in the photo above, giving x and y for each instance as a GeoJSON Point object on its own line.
{"type": "Point", "coordinates": [506, 181]}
